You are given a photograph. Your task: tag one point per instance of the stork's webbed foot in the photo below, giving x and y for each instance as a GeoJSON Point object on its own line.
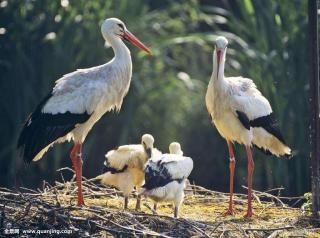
{"type": "Point", "coordinates": [81, 203]}
{"type": "Point", "coordinates": [229, 212]}
{"type": "Point", "coordinates": [249, 214]}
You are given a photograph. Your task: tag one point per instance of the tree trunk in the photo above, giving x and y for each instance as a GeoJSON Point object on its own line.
{"type": "Point", "coordinates": [314, 102]}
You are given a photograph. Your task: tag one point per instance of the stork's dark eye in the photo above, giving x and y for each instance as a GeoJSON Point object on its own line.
{"type": "Point", "coordinates": [121, 26]}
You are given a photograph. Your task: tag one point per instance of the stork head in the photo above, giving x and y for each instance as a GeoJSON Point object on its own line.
{"type": "Point", "coordinates": [113, 28]}
{"type": "Point", "coordinates": [175, 148]}
{"type": "Point", "coordinates": [221, 43]}
{"type": "Point", "coordinates": [147, 141]}
{"type": "Point", "coordinates": [220, 49]}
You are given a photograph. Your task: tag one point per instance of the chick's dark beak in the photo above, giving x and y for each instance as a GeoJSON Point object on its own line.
{"type": "Point", "coordinates": [149, 152]}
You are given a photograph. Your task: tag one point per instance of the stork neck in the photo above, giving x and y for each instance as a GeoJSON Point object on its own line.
{"type": "Point", "coordinates": [218, 70]}
{"type": "Point", "coordinates": [121, 51]}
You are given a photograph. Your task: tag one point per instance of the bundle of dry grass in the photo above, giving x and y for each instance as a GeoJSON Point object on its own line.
{"type": "Point", "coordinates": [52, 210]}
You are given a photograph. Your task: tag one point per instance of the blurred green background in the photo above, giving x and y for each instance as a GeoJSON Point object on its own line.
{"type": "Point", "coordinates": [42, 40]}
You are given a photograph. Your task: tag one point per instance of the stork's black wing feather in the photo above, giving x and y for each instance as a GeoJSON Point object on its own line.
{"type": "Point", "coordinates": [107, 168]}
{"type": "Point", "coordinates": [243, 119]}
{"type": "Point", "coordinates": [41, 129]}
{"type": "Point", "coordinates": [270, 124]}
{"type": "Point", "coordinates": [265, 151]}
{"type": "Point", "coordinates": [268, 152]}
{"type": "Point", "coordinates": [156, 175]}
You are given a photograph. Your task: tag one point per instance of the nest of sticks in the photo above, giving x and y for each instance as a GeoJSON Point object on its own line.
{"type": "Point", "coordinates": [53, 208]}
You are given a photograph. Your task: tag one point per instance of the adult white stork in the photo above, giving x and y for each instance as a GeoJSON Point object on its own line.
{"type": "Point", "coordinates": [166, 177]}
{"type": "Point", "coordinates": [241, 114]}
{"type": "Point", "coordinates": [78, 101]}
{"type": "Point", "coordinates": [124, 167]}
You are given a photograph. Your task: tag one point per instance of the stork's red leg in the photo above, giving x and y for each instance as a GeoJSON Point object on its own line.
{"type": "Point", "coordinates": [232, 165]}
{"type": "Point", "coordinates": [250, 173]}
{"type": "Point", "coordinates": [76, 159]}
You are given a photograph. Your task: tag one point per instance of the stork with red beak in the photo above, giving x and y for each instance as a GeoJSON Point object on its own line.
{"type": "Point", "coordinates": [241, 114]}
{"type": "Point", "coordinates": [78, 101]}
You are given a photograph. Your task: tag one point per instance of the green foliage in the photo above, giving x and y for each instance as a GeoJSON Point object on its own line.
{"type": "Point", "coordinates": [46, 39]}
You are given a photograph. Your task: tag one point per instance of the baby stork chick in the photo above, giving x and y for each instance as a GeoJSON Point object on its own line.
{"type": "Point", "coordinates": [123, 167]}
{"type": "Point", "coordinates": [166, 176]}
{"type": "Point", "coordinates": [175, 148]}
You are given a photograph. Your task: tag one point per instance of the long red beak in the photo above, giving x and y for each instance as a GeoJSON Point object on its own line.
{"type": "Point", "coordinates": [218, 61]}
{"type": "Point", "coordinates": [134, 40]}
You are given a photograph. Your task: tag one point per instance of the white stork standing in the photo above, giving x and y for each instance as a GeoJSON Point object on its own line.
{"type": "Point", "coordinates": [78, 101]}
{"type": "Point", "coordinates": [166, 177]}
{"type": "Point", "coordinates": [123, 167]}
{"type": "Point", "coordinates": [241, 114]}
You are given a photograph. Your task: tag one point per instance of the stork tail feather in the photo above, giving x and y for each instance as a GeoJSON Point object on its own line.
{"type": "Point", "coordinates": [42, 129]}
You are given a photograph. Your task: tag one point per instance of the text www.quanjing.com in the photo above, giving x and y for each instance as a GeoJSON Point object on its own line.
{"type": "Point", "coordinates": [49, 231]}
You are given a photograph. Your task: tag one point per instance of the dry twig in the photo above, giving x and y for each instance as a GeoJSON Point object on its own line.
{"type": "Point", "coordinates": [53, 207]}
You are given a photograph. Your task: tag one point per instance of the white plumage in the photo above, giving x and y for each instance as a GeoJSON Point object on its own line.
{"type": "Point", "coordinates": [241, 114]}
{"type": "Point", "coordinates": [175, 148]}
{"type": "Point", "coordinates": [94, 91]}
{"type": "Point", "coordinates": [226, 96]}
{"type": "Point", "coordinates": [124, 166]}
{"type": "Point", "coordinates": [79, 99]}
{"type": "Point", "coordinates": [166, 176]}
